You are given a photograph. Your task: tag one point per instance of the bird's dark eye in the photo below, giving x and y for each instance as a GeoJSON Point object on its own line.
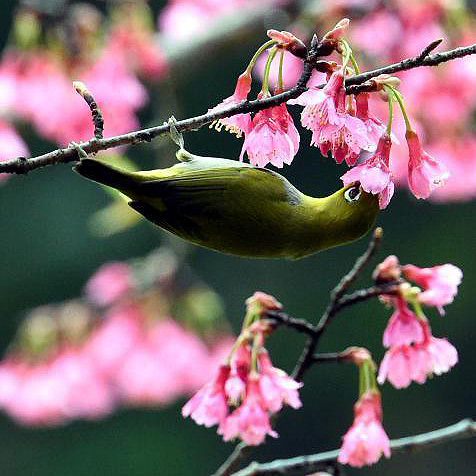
{"type": "Point", "coordinates": [352, 194]}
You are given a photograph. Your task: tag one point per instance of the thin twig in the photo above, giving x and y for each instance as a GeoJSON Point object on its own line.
{"type": "Point", "coordinates": [410, 63]}
{"type": "Point", "coordinates": [98, 120]}
{"type": "Point", "coordinates": [426, 51]}
{"type": "Point", "coordinates": [364, 294]}
{"type": "Point", "coordinates": [329, 358]}
{"type": "Point", "coordinates": [301, 325]}
{"type": "Point", "coordinates": [308, 463]}
{"type": "Point", "coordinates": [233, 461]}
{"type": "Point", "coordinates": [306, 357]}
{"type": "Point", "coordinates": [69, 154]}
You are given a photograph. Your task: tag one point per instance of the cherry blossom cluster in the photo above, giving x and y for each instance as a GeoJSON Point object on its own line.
{"type": "Point", "coordinates": [36, 74]}
{"type": "Point", "coordinates": [247, 389]}
{"type": "Point", "coordinates": [340, 124]}
{"type": "Point", "coordinates": [413, 352]}
{"type": "Point", "coordinates": [117, 346]}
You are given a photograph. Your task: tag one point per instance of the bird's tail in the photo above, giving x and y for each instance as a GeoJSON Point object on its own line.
{"type": "Point", "coordinates": [106, 174]}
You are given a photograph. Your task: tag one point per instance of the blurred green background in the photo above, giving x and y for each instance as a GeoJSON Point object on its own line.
{"type": "Point", "coordinates": [47, 253]}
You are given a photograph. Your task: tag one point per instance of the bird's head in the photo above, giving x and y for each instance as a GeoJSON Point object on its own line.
{"type": "Point", "coordinates": [351, 211]}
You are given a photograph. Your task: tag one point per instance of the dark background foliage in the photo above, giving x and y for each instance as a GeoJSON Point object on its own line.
{"type": "Point", "coordinates": [47, 254]}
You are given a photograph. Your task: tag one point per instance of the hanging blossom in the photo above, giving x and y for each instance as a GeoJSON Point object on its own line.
{"type": "Point", "coordinates": [272, 138]}
{"type": "Point", "coordinates": [375, 127]}
{"type": "Point", "coordinates": [333, 129]}
{"type": "Point", "coordinates": [413, 352]}
{"type": "Point", "coordinates": [439, 283]}
{"type": "Point", "coordinates": [405, 363]}
{"type": "Point", "coordinates": [252, 385]}
{"type": "Point", "coordinates": [239, 123]}
{"type": "Point", "coordinates": [374, 174]}
{"type": "Point", "coordinates": [424, 173]}
{"type": "Point", "coordinates": [366, 440]}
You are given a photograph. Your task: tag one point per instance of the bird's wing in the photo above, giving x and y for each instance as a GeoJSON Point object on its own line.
{"type": "Point", "coordinates": [192, 198]}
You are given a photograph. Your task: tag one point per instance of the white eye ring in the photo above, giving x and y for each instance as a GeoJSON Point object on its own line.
{"type": "Point", "coordinates": [352, 194]}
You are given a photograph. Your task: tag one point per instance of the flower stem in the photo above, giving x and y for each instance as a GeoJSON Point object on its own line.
{"type": "Point", "coordinates": [265, 87]}
{"type": "Point", "coordinates": [260, 50]}
{"type": "Point", "coordinates": [399, 99]}
{"type": "Point", "coordinates": [280, 72]}
{"type": "Point", "coordinates": [348, 54]}
{"type": "Point", "coordinates": [390, 111]}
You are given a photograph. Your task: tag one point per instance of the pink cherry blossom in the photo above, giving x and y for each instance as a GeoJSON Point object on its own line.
{"type": "Point", "coordinates": [209, 405]}
{"type": "Point", "coordinates": [375, 127]}
{"type": "Point", "coordinates": [332, 128]}
{"type": "Point", "coordinates": [366, 439]}
{"type": "Point", "coordinates": [442, 355]}
{"type": "Point", "coordinates": [250, 421]}
{"type": "Point", "coordinates": [374, 174]}
{"type": "Point", "coordinates": [272, 138]}
{"type": "Point", "coordinates": [403, 328]}
{"type": "Point", "coordinates": [239, 123]}
{"type": "Point", "coordinates": [110, 283]}
{"type": "Point", "coordinates": [320, 106]}
{"type": "Point", "coordinates": [235, 386]}
{"type": "Point", "coordinates": [439, 283]}
{"type": "Point", "coordinates": [277, 388]}
{"type": "Point", "coordinates": [424, 172]}
{"type": "Point", "coordinates": [406, 363]}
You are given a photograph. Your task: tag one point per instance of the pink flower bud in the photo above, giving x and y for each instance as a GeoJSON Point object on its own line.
{"type": "Point", "coordinates": [288, 42]}
{"type": "Point", "coordinates": [387, 271]}
{"type": "Point", "coordinates": [261, 303]}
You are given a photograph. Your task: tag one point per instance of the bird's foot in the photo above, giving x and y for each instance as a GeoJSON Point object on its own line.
{"type": "Point", "coordinates": [82, 154]}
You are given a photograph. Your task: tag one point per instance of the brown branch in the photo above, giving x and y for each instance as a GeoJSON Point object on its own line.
{"type": "Point", "coordinates": [301, 325]}
{"type": "Point", "coordinates": [305, 361]}
{"type": "Point", "coordinates": [70, 154]}
{"type": "Point", "coordinates": [233, 461]}
{"type": "Point", "coordinates": [410, 63]}
{"type": "Point", "coordinates": [330, 358]}
{"type": "Point", "coordinates": [309, 463]}
{"type": "Point", "coordinates": [364, 294]}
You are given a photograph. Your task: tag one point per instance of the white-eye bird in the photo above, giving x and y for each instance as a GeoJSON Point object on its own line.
{"type": "Point", "coordinates": [239, 209]}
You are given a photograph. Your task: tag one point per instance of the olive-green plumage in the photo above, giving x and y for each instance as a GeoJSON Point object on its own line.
{"type": "Point", "coordinates": [239, 209]}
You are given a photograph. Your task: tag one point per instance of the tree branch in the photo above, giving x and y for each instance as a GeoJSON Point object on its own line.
{"type": "Point", "coordinates": [353, 86]}
{"type": "Point", "coordinates": [308, 463]}
{"type": "Point", "coordinates": [305, 361]}
{"type": "Point", "coordinates": [301, 325]}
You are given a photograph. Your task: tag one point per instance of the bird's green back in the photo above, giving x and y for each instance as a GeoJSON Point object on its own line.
{"type": "Point", "coordinates": [239, 209]}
